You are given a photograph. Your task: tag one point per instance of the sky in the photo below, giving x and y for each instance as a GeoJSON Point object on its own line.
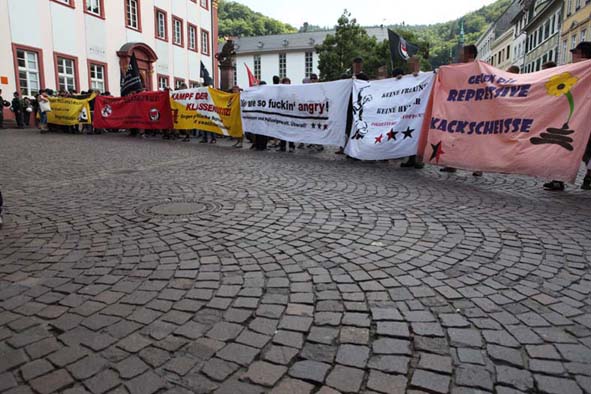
{"type": "Point", "coordinates": [368, 12]}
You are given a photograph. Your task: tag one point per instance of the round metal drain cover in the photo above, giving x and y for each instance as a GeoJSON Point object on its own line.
{"type": "Point", "coordinates": [173, 210]}
{"type": "Point", "coordinates": [179, 208]}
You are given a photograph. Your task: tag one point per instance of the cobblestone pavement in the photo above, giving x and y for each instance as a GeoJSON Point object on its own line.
{"type": "Point", "coordinates": [150, 266]}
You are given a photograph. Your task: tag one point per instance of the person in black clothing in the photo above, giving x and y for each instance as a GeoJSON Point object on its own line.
{"type": "Point", "coordinates": [17, 108]}
{"type": "Point", "coordinates": [260, 141]}
{"type": "Point", "coordinates": [3, 103]}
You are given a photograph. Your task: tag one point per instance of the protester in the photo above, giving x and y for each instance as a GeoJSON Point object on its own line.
{"type": "Point", "coordinates": [513, 70]}
{"type": "Point", "coordinates": [27, 110]}
{"type": "Point", "coordinates": [1, 202]}
{"type": "Point", "coordinates": [239, 140]}
{"type": "Point", "coordinates": [44, 108]}
{"type": "Point", "coordinates": [282, 143]}
{"type": "Point", "coordinates": [398, 74]}
{"type": "Point", "coordinates": [3, 103]}
{"type": "Point", "coordinates": [468, 54]}
{"type": "Point", "coordinates": [555, 186]}
{"type": "Point", "coordinates": [17, 108]}
{"type": "Point", "coordinates": [580, 54]}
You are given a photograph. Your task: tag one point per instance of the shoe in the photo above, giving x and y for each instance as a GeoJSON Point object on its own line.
{"type": "Point", "coordinates": [555, 186]}
{"type": "Point", "coordinates": [586, 183]}
{"type": "Point", "coordinates": [301, 146]}
{"type": "Point", "coordinates": [477, 173]}
{"type": "Point", "coordinates": [237, 146]}
{"type": "Point", "coordinates": [419, 166]}
{"type": "Point", "coordinates": [203, 142]}
{"type": "Point", "coordinates": [320, 149]}
{"type": "Point", "coordinates": [291, 150]}
{"type": "Point", "coordinates": [213, 142]}
{"type": "Point", "coordinates": [448, 169]}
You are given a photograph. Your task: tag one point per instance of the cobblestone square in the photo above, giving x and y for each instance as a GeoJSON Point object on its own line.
{"type": "Point", "coordinates": [151, 266]}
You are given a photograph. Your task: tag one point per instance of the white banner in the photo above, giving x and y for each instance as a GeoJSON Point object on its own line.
{"type": "Point", "coordinates": [388, 116]}
{"type": "Point", "coordinates": [314, 113]}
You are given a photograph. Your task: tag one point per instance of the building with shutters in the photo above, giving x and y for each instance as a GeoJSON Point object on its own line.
{"type": "Point", "coordinates": [76, 45]}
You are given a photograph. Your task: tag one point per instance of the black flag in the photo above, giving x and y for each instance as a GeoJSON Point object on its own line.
{"type": "Point", "coordinates": [400, 49]}
{"type": "Point", "coordinates": [207, 81]}
{"type": "Point", "coordinates": [132, 82]}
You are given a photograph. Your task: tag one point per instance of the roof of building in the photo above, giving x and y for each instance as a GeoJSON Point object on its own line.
{"type": "Point", "coordinates": [294, 41]}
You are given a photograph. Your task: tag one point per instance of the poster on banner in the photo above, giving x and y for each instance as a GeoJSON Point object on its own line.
{"type": "Point", "coordinates": [485, 119]}
{"type": "Point", "coordinates": [388, 116]}
{"type": "Point", "coordinates": [314, 113]}
{"type": "Point", "coordinates": [67, 111]}
{"type": "Point", "coordinates": [207, 109]}
{"type": "Point", "coordinates": [146, 110]}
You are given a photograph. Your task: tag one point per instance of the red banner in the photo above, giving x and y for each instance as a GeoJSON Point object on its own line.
{"type": "Point", "coordinates": [147, 110]}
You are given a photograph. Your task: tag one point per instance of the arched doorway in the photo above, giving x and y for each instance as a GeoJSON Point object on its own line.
{"type": "Point", "coordinates": [145, 59]}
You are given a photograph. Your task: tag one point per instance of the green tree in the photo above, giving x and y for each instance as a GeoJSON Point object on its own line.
{"type": "Point", "coordinates": [350, 40]}
{"type": "Point", "coordinates": [238, 20]}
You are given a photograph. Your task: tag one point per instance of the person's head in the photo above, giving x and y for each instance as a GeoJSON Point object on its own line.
{"type": "Point", "coordinates": [469, 53]}
{"type": "Point", "coordinates": [345, 76]}
{"type": "Point", "coordinates": [513, 70]}
{"type": "Point", "coordinates": [362, 76]}
{"type": "Point", "coordinates": [582, 52]}
{"type": "Point", "coordinates": [15, 94]}
{"type": "Point", "coordinates": [357, 65]}
{"type": "Point", "coordinates": [236, 89]}
{"type": "Point", "coordinates": [397, 72]}
{"type": "Point", "coordinates": [314, 78]}
{"type": "Point", "coordinates": [286, 81]}
{"type": "Point", "coordinates": [548, 65]}
{"type": "Point", "coordinates": [276, 80]}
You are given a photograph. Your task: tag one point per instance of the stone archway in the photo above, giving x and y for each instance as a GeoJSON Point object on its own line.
{"type": "Point", "coordinates": [145, 59]}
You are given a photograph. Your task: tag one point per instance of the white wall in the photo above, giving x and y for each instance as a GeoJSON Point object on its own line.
{"type": "Point", "coordinates": [296, 71]}
{"type": "Point", "coordinates": [53, 27]}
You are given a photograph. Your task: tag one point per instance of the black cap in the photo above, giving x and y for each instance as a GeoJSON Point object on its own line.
{"type": "Point", "coordinates": [584, 47]}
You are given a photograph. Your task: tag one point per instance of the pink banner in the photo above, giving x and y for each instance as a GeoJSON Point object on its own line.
{"type": "Point", "coordinates": [490, 120]}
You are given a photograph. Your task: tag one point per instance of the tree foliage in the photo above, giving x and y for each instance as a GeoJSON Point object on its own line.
{"type": "Point", "coordinates": [239, 20]}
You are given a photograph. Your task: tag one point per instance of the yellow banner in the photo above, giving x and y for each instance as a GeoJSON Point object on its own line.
{"type": "Point", "coordinates": [207, 109]}
{"type": "Point", "coordinates": [66, 111]}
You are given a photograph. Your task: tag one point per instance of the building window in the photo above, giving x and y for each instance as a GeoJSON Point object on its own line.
{"type": "Point", "coordinates": [569, 7]}
{"type": "Point", "coordinates": [564, 50]}
{"type": "Point", "coordinates": [583, 35]}
{"type": "Point", "coordinates": [97, 74]}
{"type": "Point", "coordinates": [160, 17]}
{"type": "Point", "coordinates": [29, 71]}
{"type": "Point", "coordinates": [132, 14]}
{"type": "Point", "coordinates": [309, 64]}
{"type": "Point", "coordinates": [69, 3]}
{"type": "Point", "coordinates": [194, 84]}
{"type": "Point", "coordinates": [66, 73]}
{"type": "Point", "coordinates": [95, 8]}
{"type": "Point", "coordinates": [205, 42]}
{"type": "Point", "coordinates": [163, 82]}
{"type": "Point", "coordinates": [204, 4]}
{"type": "Point", "coordinates": [282, 65]}
{"type": "Point", "coordinates": [257, 67]}
{"type": "Point", "coordinates": [179, 83]}
{"type": "Point", "coordinates": [191, 37]}
{"type": "Point", "coordinates": [573, 44]}
{"type": "Point", "coordinates": [177, 31]}
{"type": "Point", "coordinates": [578, 5]}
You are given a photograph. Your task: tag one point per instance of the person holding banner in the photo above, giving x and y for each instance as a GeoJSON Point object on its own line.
{"type": "Point", "coordinates": [580, 54]}
{"type": "Point", "coordinates": [469, 54]}
{"type": "Point", "coordinates": [283, 143]}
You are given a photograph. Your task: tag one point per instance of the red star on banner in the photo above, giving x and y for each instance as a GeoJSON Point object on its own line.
{"type": "Point", "coordinates": [392, 135]}
{"type": "Point", "coordinates": [379, 139]}
{"type": "Point", "coordinates": [437, 152]}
